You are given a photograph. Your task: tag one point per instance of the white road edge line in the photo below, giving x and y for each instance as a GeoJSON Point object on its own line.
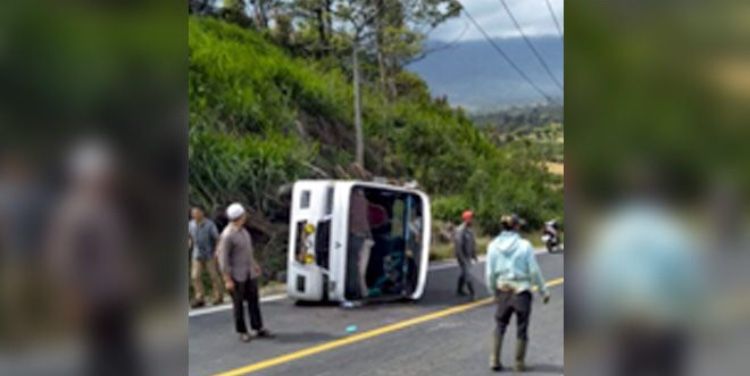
{"type": "Point", "coordinates": [228, 306]}
{"type": "Point", "coordinates": [273, 298]}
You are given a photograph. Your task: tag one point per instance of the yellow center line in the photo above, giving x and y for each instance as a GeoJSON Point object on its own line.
{"type": "Point", "coordinates": [363, 336]}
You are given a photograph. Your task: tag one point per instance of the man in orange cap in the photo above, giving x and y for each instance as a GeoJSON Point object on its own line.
{"type": "Point", "coordinates": [465, 250]}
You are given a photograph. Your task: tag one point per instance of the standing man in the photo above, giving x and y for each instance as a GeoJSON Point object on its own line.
{"type": "Point", "coordinates": [465, 251]}
{"type": "Point", "coordinates": [241, 272]}
{"type": "Point", "coordinates": [203, 237]}
{"type": "Point", "coordinates": [359, 245]}
{"type": "Point", "coordinates": [511, 272]}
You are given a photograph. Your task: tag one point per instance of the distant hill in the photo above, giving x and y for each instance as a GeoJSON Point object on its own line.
{"type": "Point", "coordinates": [473, 75]}
{"type": "Point", "coordinates": [539, 127]}
{"type": "Point", "coordinates": [519, 118]}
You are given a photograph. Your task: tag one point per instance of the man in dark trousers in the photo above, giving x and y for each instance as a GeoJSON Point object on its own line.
{"type": "Point", "coordinates": [512, 272]}
{"type": "Point", "coordinates": [241, 272]}
{"type": "Point", "coordinates": [465, 251]}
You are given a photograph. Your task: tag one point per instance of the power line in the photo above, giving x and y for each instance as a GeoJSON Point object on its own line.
{"type": "Point", "coordinates": [531, 45]}
{"type": "Point", "coordinates": [507, 58]}
{"type": "Point", "coordinates": [554, 18]}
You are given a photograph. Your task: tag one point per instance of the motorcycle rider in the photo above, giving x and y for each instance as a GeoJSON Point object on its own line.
{"type": "Point", "coordinates": [511, 272]}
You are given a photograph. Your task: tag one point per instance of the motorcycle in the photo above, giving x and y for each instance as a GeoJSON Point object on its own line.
{"type": "Point", "coordinates": [551, 237]}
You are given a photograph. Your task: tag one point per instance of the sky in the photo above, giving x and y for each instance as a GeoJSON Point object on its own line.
{"type": "Point", "coordinates": [533, 16]}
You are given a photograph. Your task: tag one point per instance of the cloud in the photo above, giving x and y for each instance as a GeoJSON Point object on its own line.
{"type": "Point", "coordinates": [533, 16]}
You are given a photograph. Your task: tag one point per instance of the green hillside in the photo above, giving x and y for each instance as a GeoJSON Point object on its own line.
{"type": "Point", "coordinates": [261, 118]}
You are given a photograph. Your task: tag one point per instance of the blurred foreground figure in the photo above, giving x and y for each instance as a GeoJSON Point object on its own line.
{"type": "Point", "coordinates": [203, 235]}
{"type": "Point", "coordinates": [643, 288]}
{"type": "Point", "coordinates": [465, 250]}
{"type": "Point", "coordinates": [89, 254]}
{"type": "Point", "coordinates": [241, 272]}
{"type": "Point", "coordinates": [21, 203]}
{"type": "Point", "coordinates": [512, 271]}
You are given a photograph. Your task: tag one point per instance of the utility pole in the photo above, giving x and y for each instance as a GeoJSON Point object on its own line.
{"type": "Point", "coordinates": [360, 151]}
{"type": "Point", "coordinates": [360, 15]}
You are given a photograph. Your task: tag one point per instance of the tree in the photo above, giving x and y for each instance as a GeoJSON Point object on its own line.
{"type": "Point", "coordinates": [260, 12]}
{"type": "Point", "coordinates": [396, 28]}
{"type": "Point", "coordinates": [235, 11]}
{"type": "Point", "coordinates": [359, 15]}
{"type": "Point", "coordinates": [200, 6]}
{"type": "Point", "coordinates": [316, 17]}
{"type": "Point", "coordinates": [401, 27]}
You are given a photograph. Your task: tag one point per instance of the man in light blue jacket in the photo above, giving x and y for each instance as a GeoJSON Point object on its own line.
{"type": "Point", "coordinates": [512, 272]}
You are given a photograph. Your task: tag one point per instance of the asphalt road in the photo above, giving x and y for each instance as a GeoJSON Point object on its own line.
{"type": "Point", "coordinates": [312, 340]}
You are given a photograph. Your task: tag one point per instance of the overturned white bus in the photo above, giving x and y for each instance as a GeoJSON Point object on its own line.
{"type": "Point", "coordinates": [357, 241]}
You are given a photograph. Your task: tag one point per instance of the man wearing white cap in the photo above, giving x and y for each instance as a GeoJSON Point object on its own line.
{"type": "Point", "coordinates": [241, 272]}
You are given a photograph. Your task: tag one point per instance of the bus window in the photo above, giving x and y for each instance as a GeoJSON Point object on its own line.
{"type": "Point", "coordinates": [329, 201]}
{"type": "Point", "coordinates": [304, 201]}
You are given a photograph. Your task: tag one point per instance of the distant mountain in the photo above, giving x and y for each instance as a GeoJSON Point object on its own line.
{"type": "Point", "coordinates": [473, 75]}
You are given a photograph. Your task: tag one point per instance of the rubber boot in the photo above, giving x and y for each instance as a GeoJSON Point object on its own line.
{"type": "Point", "coordinates": [497, 350]}
{"type": "Point", "coordinates": [460, 287]}
{"type": "Point", "coordinates": [520, 355]}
